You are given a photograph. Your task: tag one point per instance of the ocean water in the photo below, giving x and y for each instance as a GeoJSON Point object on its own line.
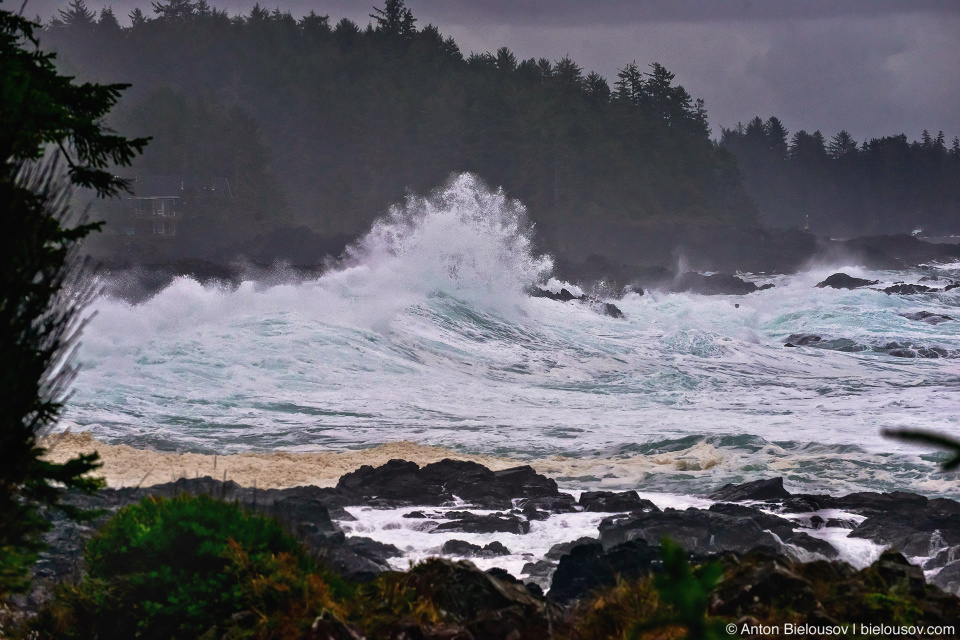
{"type": "Point", "coordinates": [426, 332]}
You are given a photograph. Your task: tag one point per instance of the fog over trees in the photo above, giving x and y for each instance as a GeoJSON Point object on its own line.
{"type": "Point", "coordinates": [842, 188]}
{"type": "Point", "coordinates": [321, 124]}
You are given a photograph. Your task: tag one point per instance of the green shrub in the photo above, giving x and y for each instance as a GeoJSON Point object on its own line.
{"type": "Point", "coordinates": [188, 566]}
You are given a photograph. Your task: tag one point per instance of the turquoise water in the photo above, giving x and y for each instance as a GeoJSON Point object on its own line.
{"type": "Point", "coordinates": [426, 333]}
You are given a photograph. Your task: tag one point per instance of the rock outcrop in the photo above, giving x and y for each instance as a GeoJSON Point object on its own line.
{"type": "Point", "coordinates": [844, 281]}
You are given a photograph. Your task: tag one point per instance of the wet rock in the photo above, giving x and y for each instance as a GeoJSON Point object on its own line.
{"type": "Point", "coordinates": [801, 339]}
{"type": "Point", "coordinates": [908, 289]}
{"type": "Point", "coordinates": [914, 527]}
{"type": "Point", "coordinates": [948, 578]}
{"type": "Point", "coordinates": [844, 281]}
{"type": "Point", "coordinates": [485, 605]}
{"type": "Point", "coordinates": [716, 284]}
{"type": "Point", "coordinates": [841, 523]}
{"type": "Point", "coordinates": [589, 567]}
{"type": "Point", "coordinates": [771, 489]}
{"type": "Point", "coordinates": [609, 501]}
{"type": "Point", "coordinates": [459, 548]}
{"type": "Point", "coordinates": [354, 557]}
{"type": "Point", "coordinates": [928, 317]}
{"type": "Point", "coordinates": [415, 514]}
{"type": "Point", "coordinates": [909, 350]}
{"type": "Point", "coordinates": [563, 296]}
{"type": "Point", "coordinates": [901, 576]}
{"type": "Point", "coordinates": [398, 481]}
{"type": "Point", "coordinates": [531, 513]}
{"type": "Point", "coordinates": [781, 527]}
{"type": "Point", "coordinates": [401, 483]}
{"type": "Point", "coordinates": [612, 310]}
{"type": "Point", "coordinates": [696, 530]}
{"type": "Point", "coordinates": [561, 549]}
{"type": "Point", "coordinates": [524, 482]}
{"type": "Point", "coordinates": [469, 550]}
{"type": "Point", "coordinates": [562, 503]}
{"type": "Point", "coordinates": [503, 575]}
{"type": "Point", "coordinates": [943, 558]}
{"type": "Point", "coordinates": [808, 543]}
{"type": "Point", "coordinates": [494, 523]}
{"type": "Point", "coordinates": [539, 572]}
{"type": "Point", "coordinates": [495, 549]}
{"type": "Point", "coordinates": [799, 504]}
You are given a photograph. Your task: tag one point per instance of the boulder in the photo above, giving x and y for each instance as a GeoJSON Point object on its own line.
{"type": "Point", "coordinates": [485, 605]}
{"type": "Point", "coordinates": [539, 572]}
{"type": "Point", "coordinates": [948, 578]}
{"type": "Point", "coordinates": [613, 502]}
{"type": "Point", "coordinates": [801, 339]}
{"type": "Point", "coordinates": [903, 289]}
{"type": "Point", "coordinates": [913, 527]}
{"type": "Point", "coordinates": [589, 567]}
{"type": "Point", "coordinates": [493, 523]}
{"type": "Point", "coordinates": [562, 503]}
{"type": "Point", "coordinates": [696, 530]}
{"type": "Point", "coordinates": [466, 549]}
{"type": "Point", "coordinates": [354, 557]}
{"type": "Point", "coordinates": [395, 483]}
{"type": "Point", "coordinates": [400, 483]}
{"type": "Point", "coordinates": [771, 489]}
{"type": "Point", "coordinates": [524, 482]}
{"type": "Point", "coordinates": [563, 296]}
{"type": "Point", "coordinates": [943, 558]}
{"type": "Point", "coordinates": [715, 284]}
{"type": "Point", "coordinates": [781, 527]}
{"type": "Point", "coordinates": [928, 317]}
{"type": "Point", "coordinates": [844, 281]}
{"type": "Point", "coordinates": [612, 310]}
{"type": "Point", "coordinates": [561, 549]}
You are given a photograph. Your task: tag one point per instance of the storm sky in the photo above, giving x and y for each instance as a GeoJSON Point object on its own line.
{"type": "Point", "coordinates": [873, 67]}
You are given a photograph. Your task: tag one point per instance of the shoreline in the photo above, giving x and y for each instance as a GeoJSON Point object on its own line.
{"type": "Point", "coordinates": [126, 466]}
{"type": "Point", "coordinates": [693, 470]}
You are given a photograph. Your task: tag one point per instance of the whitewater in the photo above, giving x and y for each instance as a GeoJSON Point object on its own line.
{"type": "Point", "coordinates": [426, 332]}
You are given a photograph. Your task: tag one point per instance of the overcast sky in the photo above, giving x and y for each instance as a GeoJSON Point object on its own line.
{"type": "Point", "coordinates": [873, 67]}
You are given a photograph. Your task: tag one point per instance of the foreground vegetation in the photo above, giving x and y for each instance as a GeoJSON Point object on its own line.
{"type": "Point", "coordinates": [43, 289]}
{"type": "Point", "coordinates": [194, 567]}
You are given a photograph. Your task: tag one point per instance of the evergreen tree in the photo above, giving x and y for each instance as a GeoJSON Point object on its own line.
{"type": "Point", "coordinates": [41, 291]}
{"type": "Point", "coordinates": [395, 19]}
{"type": "Point", "coordinates": [108, 21]}
{"type": "Point", "coordinates": [175, 10]}
{"type": "Point", "coordinates": [776, 138]}
{"type": "Point", "coordinates": [77, 16]}
{"type": "Point", "coordinates": [137, 18]}
{"type": "Point", "coordinates": [842, 145]}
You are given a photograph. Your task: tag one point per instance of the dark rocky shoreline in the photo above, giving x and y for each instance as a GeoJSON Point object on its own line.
{"type": "Point", "coordinates": [759, 251]}
{"type": "Point", "coordinates": [758, 528]}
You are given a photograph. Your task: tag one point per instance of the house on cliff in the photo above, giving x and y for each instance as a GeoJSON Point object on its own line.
{"type": "Point", "coordinates": [160, 205]}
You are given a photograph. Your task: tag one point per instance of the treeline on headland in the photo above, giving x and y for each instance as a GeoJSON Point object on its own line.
{"type": "Point", "coordinates": [841, 188]}
{"type": "Point", "coordinates": [353, 117]}
{"type": "Point", "coordinates": [320, 125]}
